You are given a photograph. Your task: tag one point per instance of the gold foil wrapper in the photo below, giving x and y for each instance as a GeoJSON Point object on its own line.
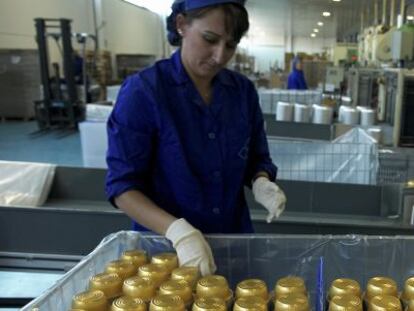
{"type": "Point", "coordinates": [292, 302]}
{"type": "Point", "coordinates": [381, 286]}
{"type": "Point", "coordinates": [189, 274]}
{"type": "Point", "coordinates": [250, 304]}
{"type": "Point", "coordinates": [167, 260]}
{"type": "Point", "coordinates": [180, 288]}
{"type": "Point", "coordinates": [209, 304]}
{"type": "Point", "coordinates": [213, 286]}
{"type": "Point", "coordinates": [93, 300]}
{"type": "Point", "coordinates": [156, 273]}
{"type": "Point", "coordinates": [138, 287]}
{"type": "Point", "coordinates": [123, 268]}
{"type": "Point", "coordinates": [252, 287]}
{"type": "Point", "coordinates": [340, 287]}
{"type": "Point", "coordinates": [290, 285]}
{"type": "Point", "coordinates": [384, 303]}
{"type": "Point", "coordinates": [136, 256]}
{"type": "Point", "coordinates": [128, 304]}
{"type": "Point", "coordinates": [167, 303]}
{"type": "Point", "coordinates": [345, 302]}
{"type": "Point", "coordinates": [109, 283]}
{"type": "Point", "coordinates": [408, 292]}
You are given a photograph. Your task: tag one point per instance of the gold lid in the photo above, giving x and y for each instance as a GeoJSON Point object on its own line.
{"type": "Point", "coordinates": [209, 304]}
{"type": "Point", "coordinates": [212, 286]}
{"type": "Point", "coordinates": [252, 287]}
{"type": "Point", "coordinates": [345, 302]}
{"type": "Point", "coordinates": [180, 288]}
{"type": "Point", "coordinates": [250, 304]}
{"type": "Point", "coordinates": [381, 286]}
{"type": "Point", "coordinates": [124, 269]}
{"type": "Point", "coordinates": [408, 292]}
{"type": "Point", "coordinates": [167, 303]}
{"type": "Point", "coordinates": [188, 274]}
{"type": "Point", "coordinates": [109, 283]}
{"type": "Point", "coordinates": [341, 287]}
{"type": "Point", "coordinates": [138, 287]}
{"type": "Point", "coordinates": [136, 256]}
{"type": "Point", "coordinates": [93, 300]}
{"type": "Point", "coordinates": [292, 302]}
{"type": "Point", "coordinates": [128, 304]}
{"type": "Point", "coordinates": [168, 260]}
{"type": "Point", "coordinates": [384, 303]}
{"type": "Point", "coordinates": [289, 285]}
{"type": "Point", "coordinates": [156, 273]}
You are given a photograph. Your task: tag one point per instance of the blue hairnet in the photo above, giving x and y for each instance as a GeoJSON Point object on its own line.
{"type": "Point", "coordinates": [180, 6]}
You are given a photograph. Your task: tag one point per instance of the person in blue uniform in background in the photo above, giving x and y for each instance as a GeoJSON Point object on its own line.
{"type": "Point", "coordinates": [186, 135]}
{"type": "Point", "coordinates": [296, 79]}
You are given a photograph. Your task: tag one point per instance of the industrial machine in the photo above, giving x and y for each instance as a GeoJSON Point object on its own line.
{"type": "Point", "coordinates": [363, 86]}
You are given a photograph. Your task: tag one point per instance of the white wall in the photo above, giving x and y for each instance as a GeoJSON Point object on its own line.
{"type": "Point", "coordinates": [312, 45]}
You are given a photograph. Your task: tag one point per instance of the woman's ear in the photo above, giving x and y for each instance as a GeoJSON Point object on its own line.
{"type": "Point", "coordinates": [180, 24]}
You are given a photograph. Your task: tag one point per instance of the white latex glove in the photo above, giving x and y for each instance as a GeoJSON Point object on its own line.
{"type": "Point", "coordinates": [192, 249]}
{"type": "Point", "coordinates": [270, 196]}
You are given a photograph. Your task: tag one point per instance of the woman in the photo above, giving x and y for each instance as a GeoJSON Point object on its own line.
{"type": "Point", "coordinates": [296, 79]}
{"type": "Point", "coordinates": [186, 135]}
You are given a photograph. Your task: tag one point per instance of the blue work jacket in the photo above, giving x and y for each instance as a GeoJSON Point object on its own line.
{"type": "Point", "coordinates": [190, 158]}
{"type": "Point", "coordinates": [296, 80]}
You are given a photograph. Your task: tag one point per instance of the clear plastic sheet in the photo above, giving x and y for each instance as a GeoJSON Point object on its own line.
{"type": "Point", "coordinates": [318, 259]}
{"type": "Point", "coordinates": [25, 184]}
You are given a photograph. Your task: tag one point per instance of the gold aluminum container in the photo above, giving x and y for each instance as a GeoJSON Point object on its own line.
{"type": "Point", "coordinates": [381, 286]}
{"type": "Point", "coordinates": [340, 287]}
{"type": "Point", "coordinates": [180, 288]}
{"type": "Point", "coordinates": [384, 303]}
{"type": "Point", "coordinates": [136, 256]}
{"type": "Point", "coordinates": [167, 303]}
{"type": "Point", "coordinates": [410, 305]}
{"type": "Point", "coordinates": [209, 304]}
{"type": "Point", "coordinates": [345, 302]}
{"type": "Point", "coordinates": [252, 287]}
{"type": "Point", "coordinates": [290, 285]}
{"type": "Point", "coordinates": [128, 304]}
{"type": "Point", "coordinates": [109, 283]}
{"type": "Point", "coordinates": [167, 260]}
{"type": "Point", "coordinates": [123, 268]}
{"type": "Point", "coordinates": [213, 286]}
{"type": "Point", "coordinates": [250, 304]}
{"type": "Point", "coordinates": [292, 302]}
{"type": "Point", "coordinates": [189, 274]}
{"type": "Point", "coordinates": [408, 292]}
{"type": "Point", "coordinates": [93, 300]}
{"type": "Point", "coordinates": [138, 287]}
{"type": "Point", "coordinates": [156, 273]}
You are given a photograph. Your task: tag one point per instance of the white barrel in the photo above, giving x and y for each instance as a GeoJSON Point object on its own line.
{"type": "Point", "coordinates": [284, 111]}
{"type": "Point", "coordinates": [368, 117]}
{"type": "Point", "coordinates": [375, 133]}
{"type": "Point", "coordinates": [322, 114]}
{"type": "Point", "coordinates": [349, 116]}
{"type": "Point", "coordinates": [302, 113]}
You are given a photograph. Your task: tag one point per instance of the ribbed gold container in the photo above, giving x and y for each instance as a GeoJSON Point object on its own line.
{"type": "Point", "coordinates": [250, 304]}
{"type": "Point", "coordinates": [167, 260]}
{"type": "Point", "coordinates": [340, 287]}
{"type": "Point", "coordinates": [209, 304]}
{"type": "Point", "coordinates": [138, 287]}
{"type": "Point", "coordinates": [136, 256]}
{"type": "Point", "coordinates": [380, 286]}
{"type": "Point", "coordinates": [93, 300]}
{"type": "Point", "coordinates": [167, 303]}
{"type": "Point", "coordinates": [123, 268]}
{"type": "Point", "coordinates": [345, 302]}
{"type": "Point", "coordinates": [384, 303]}
{"type": "Point", "coordinates": [109, 283]}
{"type": "Point", "coordinates": [252, 287]}
{"type": "Point", "coordinates": [290, 285]}
{"type": "Point", "coordinates": [128, 304]}
{"type": "Point", "coordinates": [179, 288]}
{"type": "Point", "coordinates": [189, 274]}
{"type": "Point", "coordinates": [292, 302]}
{"type": "Point", "coordinates": [408, 292]}
{"type": "Point", "coordinates": [156, 273]}
{"type": "Point", "coordinates": [213, 286]}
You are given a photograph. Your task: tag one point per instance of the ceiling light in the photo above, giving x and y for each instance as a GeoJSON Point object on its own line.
{"type": "Point", "coordinates": [315, 30]}
{"type": "Point", "coordinates": [326, 14]}
{"type": "Point", "coordinates": [336, 0]}
{"type": "Point", "coordinates": [410, 18]}
{"type": "Point", "coordinates": [313, 35]}
{"type": "Point", "coordinates": [320, 24]}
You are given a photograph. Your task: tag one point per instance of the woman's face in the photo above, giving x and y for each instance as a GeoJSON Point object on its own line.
{"type": "Point", "coordinates": [299, 65]}
{"type": "Point", "coordinates": [206, 46]}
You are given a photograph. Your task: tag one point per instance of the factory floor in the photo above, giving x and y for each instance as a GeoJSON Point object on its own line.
{"type": "Point", "coordinates": [21, 141]}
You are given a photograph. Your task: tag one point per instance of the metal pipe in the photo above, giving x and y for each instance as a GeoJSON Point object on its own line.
{"type": "Point", "coordinates": [403, 11]}
{"type": "Point", "coordinates": [375, 12]}
{"type": "Point", "coordinates": [392, 14]}
{"type": "Point", "coordinates": [362, 21]}
{"type": "Point", "coordinates": [384, 12]}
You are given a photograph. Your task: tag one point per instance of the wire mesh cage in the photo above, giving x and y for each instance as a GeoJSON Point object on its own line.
{"type": "Point", "coordinates": [270, 98]}
{"type": "Point", "coordinates": [395, 166]}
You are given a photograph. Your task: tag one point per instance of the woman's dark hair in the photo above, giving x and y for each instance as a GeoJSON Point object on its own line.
{"type": "Point", "coordinates": [237, 21]}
